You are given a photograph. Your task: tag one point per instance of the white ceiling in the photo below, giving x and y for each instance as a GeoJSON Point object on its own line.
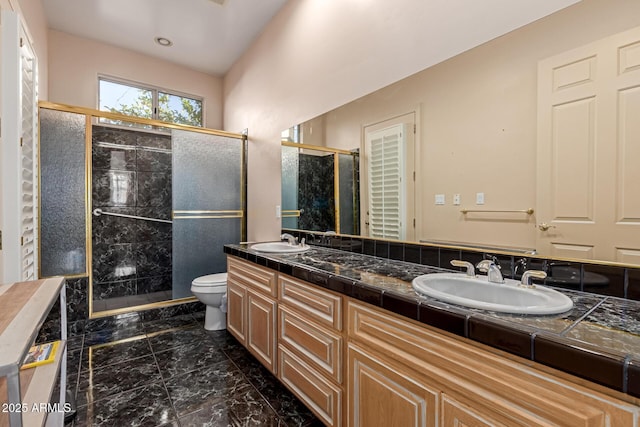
{"type": "Point", "coordinates": [207, 36]}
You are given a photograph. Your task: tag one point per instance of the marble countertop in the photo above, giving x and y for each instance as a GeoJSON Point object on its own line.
{"type": "Point", "coordinates": [598, 339]}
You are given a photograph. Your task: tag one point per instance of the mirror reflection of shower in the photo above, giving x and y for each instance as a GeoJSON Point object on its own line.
{"type": "Point", "coordinates": [320, 188]}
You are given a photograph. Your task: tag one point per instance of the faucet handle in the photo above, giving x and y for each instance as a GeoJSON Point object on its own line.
{"type": "Point", "coordinates": [470, 269]}
{"type": "Point", "coordinates": [530, 274]}
{"type": "Point", "coordinates": [292, 240]}
{"type": "Point", "coordinates": [485, 265]}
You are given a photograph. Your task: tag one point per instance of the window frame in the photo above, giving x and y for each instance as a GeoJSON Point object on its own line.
{"type": "Point", "coordinates": [155, 90]}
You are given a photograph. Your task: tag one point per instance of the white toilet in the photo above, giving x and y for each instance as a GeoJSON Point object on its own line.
{"type": "Point", "coordinates": [210, 290]}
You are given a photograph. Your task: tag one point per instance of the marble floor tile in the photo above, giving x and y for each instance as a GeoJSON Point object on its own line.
{"type": "Point", "coordinates": [214, 415]}
{"type": "Point", "coordinates": [172, 322]}
{"type": "Point", "coordinates": [111, 335]}
{"type": "Point", "coordinates": [286, 405]}
{"type": "Point", "coordinates": [190, 391]}
{"type": "Point", "coordinates": [181, 376]}
{"type": "Point", "coordinates": [245, 407]}
{"type": "Point", "coordinates": [186, 358]}
{"type": "Point", "coordinates": [97, 384]}
{"type": "Point", "coordinates": [112, 353]}
{"type": "Point", "coordinates": [75, 342]}
{"type": "Point", "coordinates": [164, 340]}
{"type": "Point", "coordinates": [143, 406]}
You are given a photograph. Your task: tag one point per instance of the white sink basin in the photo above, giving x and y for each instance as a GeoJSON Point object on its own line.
{"type": "Point", "coordinates": [279, 247]}
{"type": "Point", "coordinates": [478, 292]}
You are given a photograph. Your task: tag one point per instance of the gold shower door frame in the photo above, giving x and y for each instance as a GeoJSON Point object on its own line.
{"type": "Point", "coordinates": [92, 117]}
{"type": "Point", "coordinates": [289, 213]}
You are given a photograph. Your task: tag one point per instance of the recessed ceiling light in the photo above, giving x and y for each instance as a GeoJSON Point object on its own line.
{"type": "Point", "coordinates": [163, 41]}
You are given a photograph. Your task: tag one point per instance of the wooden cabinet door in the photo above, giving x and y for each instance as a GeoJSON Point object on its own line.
{"type": "Point", "coordinates": [261, 328]}
{"type": "Point", "coordinates": [456, 414]}
{"type": "Point", "coordinates": [382, 393]}
{"type": "Point", "coordinates": [236, 311]}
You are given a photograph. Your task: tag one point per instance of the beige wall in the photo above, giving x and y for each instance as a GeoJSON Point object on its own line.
{"type": "Point", "coordinates": [316, 55]}
{"type": "Point", "coordinates": [75, 63]}
{"type": "Point", "coordinates": [478, 123]}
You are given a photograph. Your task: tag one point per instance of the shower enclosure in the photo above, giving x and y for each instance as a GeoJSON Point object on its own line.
{"type": "Point", "coordinates": [142, 210]}
{"type": "Point", "coordinates": [320, 188]}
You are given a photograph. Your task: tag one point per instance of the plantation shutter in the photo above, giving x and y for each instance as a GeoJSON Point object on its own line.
{"type": "Point", "coordinates": [19, 152]}
{"type": "Point", "coordinates": [386, 187]}
{"type": "Point", "coordinates": [29, 161]}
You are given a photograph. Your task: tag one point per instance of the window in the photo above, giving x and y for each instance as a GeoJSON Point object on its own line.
{"type": "Point", "coordinates": [136, 100]}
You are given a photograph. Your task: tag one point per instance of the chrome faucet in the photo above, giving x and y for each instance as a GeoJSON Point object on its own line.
{"type": "Point", "coordinates": [292, 240]}
{"type": "Point", "coordinates": [530, 274]}
{"type": "Point", "coordinates": [326, 237]}
{"type": "Point", "coordinates": [493, 271]}
{"type": "Point", "coordinates": [470, 270]}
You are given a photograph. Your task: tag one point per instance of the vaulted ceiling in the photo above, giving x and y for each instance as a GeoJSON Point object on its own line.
{"type": "Point", "coordinates": [206, 35]}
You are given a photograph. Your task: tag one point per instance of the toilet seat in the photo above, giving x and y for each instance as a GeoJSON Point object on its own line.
{"type": "Point", "coordinates": [211, 280]}
{"type": "Point", "coordinates": [210, 284]}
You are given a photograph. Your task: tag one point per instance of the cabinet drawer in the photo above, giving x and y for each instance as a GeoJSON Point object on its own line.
{"type": "Point", "coordinates": [315, 303]}
{"type": "Point", "coordinates": [314, 344]}
{"type": "Point", "coordinates": [319, 394]}
{"type": "Point", "coordinates": [251, 275]}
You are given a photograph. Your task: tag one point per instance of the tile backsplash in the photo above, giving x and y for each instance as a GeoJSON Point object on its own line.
{"type": "Point", "coordinates": [617, 281]}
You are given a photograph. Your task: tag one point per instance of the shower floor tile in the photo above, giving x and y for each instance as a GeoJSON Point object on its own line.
{"type": "Point", "coordinates": [174, 373]}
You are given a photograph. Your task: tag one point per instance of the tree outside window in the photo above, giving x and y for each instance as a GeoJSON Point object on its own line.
{"type": "Point", "coordinates": [149, 103]}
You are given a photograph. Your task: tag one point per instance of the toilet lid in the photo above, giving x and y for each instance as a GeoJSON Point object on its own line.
{"type": "Point", "coordinates": [217, 279]}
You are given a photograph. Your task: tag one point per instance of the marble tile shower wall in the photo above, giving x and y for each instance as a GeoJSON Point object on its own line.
{"type": "Point", "coordinates": [617, 281]}
{"type": "Point", "coordinates": [315, 192]}
{"type": "Point", "coordinates": [131, 174]}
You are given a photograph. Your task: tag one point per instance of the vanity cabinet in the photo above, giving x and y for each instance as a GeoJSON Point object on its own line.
{"type": "Point", "coordinates": [355, 364]}
{"type": "Point", "coordinates": [251, 302]}
{"type": "Point", "coordinates": [436, 379]}
{"type": "Point", "coordinates": [310, 346]}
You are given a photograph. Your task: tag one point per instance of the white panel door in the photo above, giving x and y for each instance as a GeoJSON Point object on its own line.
{"type": "Point", "coordinates": [588, 204]}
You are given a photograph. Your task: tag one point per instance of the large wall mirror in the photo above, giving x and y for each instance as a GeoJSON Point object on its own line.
{"type": "Point", "coordinates": [525, 142]}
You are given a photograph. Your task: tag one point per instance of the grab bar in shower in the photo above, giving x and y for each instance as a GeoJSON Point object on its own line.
{"type": "Point", "coordinates": [98, 212]}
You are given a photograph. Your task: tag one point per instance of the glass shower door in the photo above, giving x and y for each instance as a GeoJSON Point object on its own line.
{"type": "Point", "coordinates": [207, 204]}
